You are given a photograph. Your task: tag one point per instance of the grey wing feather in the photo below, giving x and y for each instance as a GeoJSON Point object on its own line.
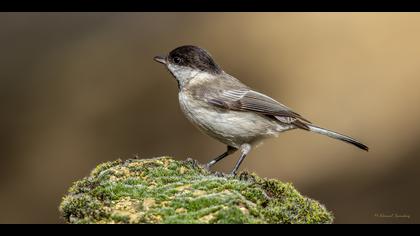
{"type": "Point", "coordinates": [249, 100]}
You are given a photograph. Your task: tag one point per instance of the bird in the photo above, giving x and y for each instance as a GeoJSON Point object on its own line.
{"type": "Point", "coordinates": [229, 111]}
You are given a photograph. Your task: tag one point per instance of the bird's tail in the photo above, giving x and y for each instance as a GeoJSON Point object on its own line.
{"type": "Point", "coordinates": [338, 136]}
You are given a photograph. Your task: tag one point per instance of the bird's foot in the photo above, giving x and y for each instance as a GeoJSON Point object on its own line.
{"type": "Point", "coordinates": [207, 166]}
{"type": "Point", "coordinates": [233, 174]}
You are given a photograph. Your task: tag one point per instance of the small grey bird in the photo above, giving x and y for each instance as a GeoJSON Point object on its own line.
{"type": "Point", "coordinates": [228, 110]}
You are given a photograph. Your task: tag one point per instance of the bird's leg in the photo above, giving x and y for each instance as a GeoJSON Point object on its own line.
{"type": "Point", "coordinates": [229, 151]}
{"type": "Point", "coordinates": [245, 149]}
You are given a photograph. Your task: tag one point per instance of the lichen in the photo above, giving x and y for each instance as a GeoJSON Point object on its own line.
{"type": "Point", "coordinates": [163, 190]}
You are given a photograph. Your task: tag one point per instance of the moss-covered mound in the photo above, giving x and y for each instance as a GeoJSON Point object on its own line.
{"type": "Point", "coordinates": [163, 190]}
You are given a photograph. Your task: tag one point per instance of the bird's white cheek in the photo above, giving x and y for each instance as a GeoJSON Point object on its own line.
{"type": "Point", "coordinates": [181, 72]}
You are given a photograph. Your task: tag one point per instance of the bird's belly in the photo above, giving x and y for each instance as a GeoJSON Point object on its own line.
{"type": "Point", "coordinates": [233, 128]}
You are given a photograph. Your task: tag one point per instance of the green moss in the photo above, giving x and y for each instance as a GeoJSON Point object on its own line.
{"type": "Point", "coordinates": [163, 190]}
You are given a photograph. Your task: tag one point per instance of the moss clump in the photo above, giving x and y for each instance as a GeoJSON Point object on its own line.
{"type": "Point", "coordinates": [163, 190]}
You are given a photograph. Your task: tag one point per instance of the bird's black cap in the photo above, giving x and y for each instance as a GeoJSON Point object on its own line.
{"type": "Point", "coordinates": [194, 57]}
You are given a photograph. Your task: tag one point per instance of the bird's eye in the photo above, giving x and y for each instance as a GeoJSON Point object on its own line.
{"type": "Point", "coordinates": [177, 60]}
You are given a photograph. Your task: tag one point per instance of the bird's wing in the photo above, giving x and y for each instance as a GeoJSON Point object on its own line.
{"type": "Point", "coordinates": [245, 99]}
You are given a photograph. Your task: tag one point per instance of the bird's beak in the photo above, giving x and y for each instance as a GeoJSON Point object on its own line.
{"type": "Point", "coordinates": [160, 59]}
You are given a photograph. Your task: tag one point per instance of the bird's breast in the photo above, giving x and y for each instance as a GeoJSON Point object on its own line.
{"type": "Point", "coordinates": [230, 127]}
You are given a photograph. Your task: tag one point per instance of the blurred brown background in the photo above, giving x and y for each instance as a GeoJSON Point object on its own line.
{"type": "Point", "coordinates": [78, 89]}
